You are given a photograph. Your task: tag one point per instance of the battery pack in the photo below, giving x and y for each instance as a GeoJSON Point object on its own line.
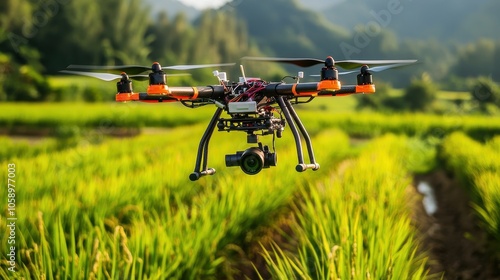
{"type": "Point", "coordinates": [242, 107]}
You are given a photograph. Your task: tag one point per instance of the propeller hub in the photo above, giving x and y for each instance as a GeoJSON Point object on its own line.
{"type": "Point", "coordinates": [124, 85]}
{"type": "Point", "coordinates": [157, 77]}
{"type": "Point", "coordinates": [364, 69]}
{"type": "Point", "coordinates": [156, 67]}
{"type": "Point", "coordinates": [329, 72]}
{"type": "Point", "coordinates": [365, 77]}
{"type": "Point", "coordinates": [124, 76]}
{"type": "Point", "coordinates": [329, 62]}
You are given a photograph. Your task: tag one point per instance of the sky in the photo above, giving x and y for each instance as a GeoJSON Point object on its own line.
{"type": "Point", "coordinates": [202, 4]}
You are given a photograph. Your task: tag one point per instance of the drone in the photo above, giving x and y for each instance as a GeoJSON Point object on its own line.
{"type": "Point", "coordinates": [252, 105]}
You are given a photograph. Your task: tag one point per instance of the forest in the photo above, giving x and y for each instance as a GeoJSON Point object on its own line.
{"type": "Point", "coordinates": [96, 189]}
{"type": "Point", "coordinates": [40, 38]}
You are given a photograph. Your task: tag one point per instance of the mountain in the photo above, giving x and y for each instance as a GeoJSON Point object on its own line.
{"type": "Point", "coordinates": [172, 7]}
{"type": "Point", "coordinates": [462, 21]}
{"type": "Point", "coordinates": [285, 28]}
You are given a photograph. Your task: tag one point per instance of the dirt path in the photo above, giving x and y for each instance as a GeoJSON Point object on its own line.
{"type": "Point", "coordinates": [457, 245]}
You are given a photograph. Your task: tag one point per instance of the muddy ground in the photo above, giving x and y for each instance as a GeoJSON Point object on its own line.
{"type": "Point", "coordinates": [452, 236]}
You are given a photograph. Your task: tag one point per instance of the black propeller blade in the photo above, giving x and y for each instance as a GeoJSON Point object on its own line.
{"type": "Point", "coordinates": [353, 64]}
{"type": "Point", "coordinates": [138, 69]}
{"type": "Point", "coordinates": [109, 77]}
{"type": "Point", "coordinates": [379, 68]}
{"type": "Point", "coordinates": [346, 64]}
{"type": "Point", "coordinates": [302, 62]}
{"type": "Point", "coordinates": [373, 69]}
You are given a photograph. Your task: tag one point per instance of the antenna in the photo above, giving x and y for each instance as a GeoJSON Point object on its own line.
{"type": "Point", "coordinates": [300, 75]}
{"type": "Point", "coordinates": [221, 76]}
{"type": "Point", "coordinates": [243, 73]}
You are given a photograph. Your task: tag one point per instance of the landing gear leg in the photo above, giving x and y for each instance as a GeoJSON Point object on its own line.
{"type": "Point", "coordinates": [293, 121]}
{"type": "Point", "coordinates": [203, 150]}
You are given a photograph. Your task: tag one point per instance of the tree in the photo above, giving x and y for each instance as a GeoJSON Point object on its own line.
{"type": "Point", "coordinates": [21, 82]}
{"type": "Point", "coordinates": [486, 92]}
{"type": "Point", "coordinates": [476, 59]}
{"type": "Point", "coordinates": [15, 21]}
{"type": "Point", "coordinates": [421, 93]}
{"type": "Point", "coordinates": [125, 26]}
{"type": "Point", "coordinates": [221, 38]}
{"type": "Point", "coordinates": [92, 32]}
{"type": "Point", "coordinates": [70, 36]}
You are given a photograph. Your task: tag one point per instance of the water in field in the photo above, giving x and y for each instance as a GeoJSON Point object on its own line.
{"type": "Point", "coordinates": [429, 201]}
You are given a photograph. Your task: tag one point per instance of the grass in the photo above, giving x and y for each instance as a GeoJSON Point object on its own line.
{"type": "Point", "coordinates": [102, 116]}
{"type": "Point", "coordinates": [454, 95]}
{"type": "Point", "coordinates": [366, 124]}
{"type": "Point", "coordinates": [356, 224]}
{"type": "Point", "coordinates": [91, 206]}
{"type": "Point", "coordinates": [441, 94]}
{"type": "Point", "coordinates": [125, 208]}
{"type": "Point", "coordinates": [478, 166]}
{"type": "Point", "coordinates": [65, 81]}
{"type": "Point", "coordinates": [63, 118]}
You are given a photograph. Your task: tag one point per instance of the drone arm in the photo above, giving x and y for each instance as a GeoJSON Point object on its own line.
{"type": "Point", "coordinates": [302, 89]}
{"type": "Point", "coordinates": [348, 90]}
{"type": "Point", "coordinates": [323, 88]}
{"type": "Point", "coordinates": [183, 93]}
{"type": "Point", "coordinates": [163, 93]}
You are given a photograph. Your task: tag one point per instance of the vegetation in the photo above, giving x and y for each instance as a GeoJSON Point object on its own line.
{"type": "Point", "coordinates": [113, 118]}
{"type": "Point", "coordinates": [487, 94]}
{"type": "Point", "coordinates": [344, 225]}
{"type": "Point", "coordinates": [421, 94]}
{"type": "Point", "coordinates": [478, 165]}
{"type": "Point", "coordinates": [471, 21]}
{"type": "Point", "coordinates": [98, 37]}
{"type": "Point", "coordinates": [76, 221]}
{"type": "Point", "coordinates": [100, 116]}
{"type": "Point", "coordinates": [100, 190]}
{"type": "Point", "coordinates": [163, 227]}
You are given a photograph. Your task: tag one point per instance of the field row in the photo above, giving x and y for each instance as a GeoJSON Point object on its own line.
{"type": "Point", "coordinates": [101, 116]}
{"type": "Point", "coordinates": [356, 223]}
{"type": "Point", "coordinates": [478, 167]}
{"type": "Point", "coordinates": [110, 118]}
{"type": "Point", "coordinates": [120, 209]}
{"type": "Point", "coordinates": [89, 192]}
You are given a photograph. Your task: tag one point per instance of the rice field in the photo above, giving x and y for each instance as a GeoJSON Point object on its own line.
{"type": "Point", "coordinates": [87, 204]}
{"type": "Point", "coordinates": [49, 118]}
{"type": "Point", "coordinates": [478, 166]}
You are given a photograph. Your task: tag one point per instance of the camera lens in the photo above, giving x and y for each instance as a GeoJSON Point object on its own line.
{"type": "Point", "coordinates": [252, 161]}
{"type": "Point", "coordinates": [233, 160]}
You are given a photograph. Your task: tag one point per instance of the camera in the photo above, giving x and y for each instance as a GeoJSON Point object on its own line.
{"type": "Point", "coordinates": [253, 159]}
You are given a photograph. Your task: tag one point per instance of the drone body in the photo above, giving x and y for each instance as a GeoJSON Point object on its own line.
{"type": "Point", "coordinates": [253, 106]}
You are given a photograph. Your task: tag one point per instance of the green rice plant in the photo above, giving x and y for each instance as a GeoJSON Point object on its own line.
{"type": "Point", "coordinates": [363, 124]}
{"type": "Point", "coordinates": [355, 224]}
{"type": "Point", "coordinates": [44, 118]}
{"type": "Point", "coordinates": [125, 209]}
{"type": "Point", "coordinates": [103, 116]}
{"type": "Point", "coordinates": [494, 143]}
{"type": "Point", "coordinates": [478, 167]}
{"type": "Point", "coordinates": [489, 210]}
{"type": "Point", "coordinates": [21, 148]}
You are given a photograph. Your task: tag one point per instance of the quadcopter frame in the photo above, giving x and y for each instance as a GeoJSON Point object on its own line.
{"type": "Point", "coordinates": [252, 104]}
{"type": "Point", "coordinates": [273, 93]}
